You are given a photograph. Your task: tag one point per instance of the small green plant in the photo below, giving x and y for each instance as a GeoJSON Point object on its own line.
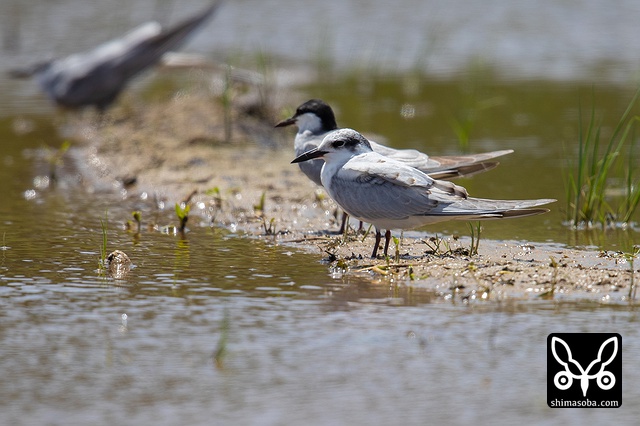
{"type": "Point", "coordinates": [367, 232]}
{"type": "Point", "coordinates": [462, 128]}
{"type": "Point", "coordinates": [260, 206]}
{"type": "Point", "coordinates": [137, 216]}
{"type": "Point", "coordinates": [396, 241]}
{"type": "Point", "coordinates": [438, 246]}
{"type": "Point", "coordinates": [182, 211]}
{"type": "Point", "coordinates": [345, 232]}
{"type": "Point", "coordinates": [475, 238]}
{"type": "Point", "coordinates": [411, 273]}
{"type": "Point", "coordinates": [270, 227]}
{"type": "Point", "coordinates": [586, 183]}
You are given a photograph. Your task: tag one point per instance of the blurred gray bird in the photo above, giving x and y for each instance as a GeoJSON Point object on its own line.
{"type": "Point", "coordinates": [315, 120]}
{"type": "Point", "coordinates": [392, 195]}
{"type": "Point", "coordinates": [97, 77]}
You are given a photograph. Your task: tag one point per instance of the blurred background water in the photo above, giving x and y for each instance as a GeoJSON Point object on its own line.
{"type": "Point", "coordinates": [304, 345]}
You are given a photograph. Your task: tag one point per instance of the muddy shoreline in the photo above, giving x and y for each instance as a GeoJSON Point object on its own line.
{"type": "Point", "coordinates": [189, 147]}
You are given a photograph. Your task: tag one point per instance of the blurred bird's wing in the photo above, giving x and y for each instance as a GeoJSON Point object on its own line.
{"type": "Point", "coordinates": [145, 50]}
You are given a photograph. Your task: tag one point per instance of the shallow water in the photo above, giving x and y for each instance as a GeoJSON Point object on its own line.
{"type": "Point", "coordinates": [72, 355]}
{"type": "Point", "coordinates": [303, 345]}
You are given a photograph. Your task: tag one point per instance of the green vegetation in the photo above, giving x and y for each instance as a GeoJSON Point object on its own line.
{"type": "Point", "coordinates": [270, 226]}
{"type": "Point", "coordinates": [588, 183]}
{"type": "Point", "coordinates": [396, 241]}
{"type": "Point", "coordinates": [365, 233]}
{"type": "Point", "coordinates": [475, 238]}
{"type": "Point", "coordinates": [182, 211]}
{"type": "Point", "coordinates": [411, 274]}
{"type": "Point", "coordinates": [137, 216]}
{"type": "Point", "coordinates": [260, 206]}
{"type": "Point", "coordinates": [438, 246]}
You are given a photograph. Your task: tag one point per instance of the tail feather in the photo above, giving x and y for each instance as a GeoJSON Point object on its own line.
{"type": "Point", "coordinates": [481, 208]}
{"type": "Point", "coordinates": [511, 213]}
{"type": "Point", "coordinates": [150, 50]}
{"type": "Point", "coordinates": [479, 204]}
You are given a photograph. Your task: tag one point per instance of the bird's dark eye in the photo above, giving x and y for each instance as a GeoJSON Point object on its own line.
{"type": "Point", "coordinates": [338, 144]}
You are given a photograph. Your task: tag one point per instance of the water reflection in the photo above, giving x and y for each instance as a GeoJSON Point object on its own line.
{"type": "Point", "coordinates": [106, 356]}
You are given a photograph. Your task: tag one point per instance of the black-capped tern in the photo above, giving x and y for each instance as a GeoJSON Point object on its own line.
{"type": "Point", "coordinates": [315, 120]}
{"type": "Point", "coordinates": [393, 195]}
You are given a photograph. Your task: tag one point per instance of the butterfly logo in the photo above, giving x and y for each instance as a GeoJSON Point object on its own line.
{"type": "Point", "coordinates": [564, 379]}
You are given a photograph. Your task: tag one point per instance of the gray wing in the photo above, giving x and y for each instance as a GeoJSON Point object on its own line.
{"type": "Point", "coordinates": [150, 50]}
{"type": "Point", "coordinates": [442, 167]}
{"type": "Point", "coordinates": [464, 165]}
{"type": "Point", "coordinates": [373, 187]}
{"type": "Point", "coordinates": [390, 190]}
